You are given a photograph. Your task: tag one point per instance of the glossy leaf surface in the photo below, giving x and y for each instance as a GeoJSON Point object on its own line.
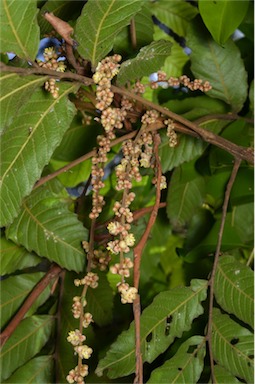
{"type": "Point", "coordinates": [28, 144]}
{"type": "Point", "coordinates": [19, 29]}
{"type": "Point", "coordinates": [170, 314]}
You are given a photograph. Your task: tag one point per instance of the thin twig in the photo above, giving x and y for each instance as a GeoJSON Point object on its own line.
{"type": "Point", "coordinates": [133, 34]}
{"type": "Point", "coordinates": [59, 320]}
{"type": "Point", "coordinates": [137, 261]}
{"type": "Point", "coordinates": [53, 272]}
{"type": "Point", "coordinates": [216, 260]}
{"type": "Point", "coordinates": [251, 257]}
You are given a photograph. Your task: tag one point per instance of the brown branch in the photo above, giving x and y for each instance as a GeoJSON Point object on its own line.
{"type": "Point", "coordinates": [59, 320]}
{"type": "Point", "coordinates": [137, 261]}
{"type": "Point", "coordinates": [87, 156]}
{"type": "Point", "coordinates": [53, 272]}
{"type": "Point", "coordinates": [216, 260]}
{"type": "Point", "coordinates": [48, 72]}
{"type": "Point", "coordinates": [220, 116]}
{"type": "Point", "coordinates": [238, 152]}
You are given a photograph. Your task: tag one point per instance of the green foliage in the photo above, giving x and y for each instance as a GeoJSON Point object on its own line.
{"type": "Point", "coordinates": [215, 63]}
{"type": "Point", "coordinates": [36, 137]}
{"type": "Point", "coordinates": [170, 314]}
{"type": "Point", "coordinates": [148, 60]}
{"type": "Point", "coordinates": [222, 17]}
{"type": "Point", "coordinates": [27, 340]}
{"type": "Point", "coordinates": [47, 223]}
{"type": "Point", "coordinates": [99, 23]}
{"type": "Point", "coordinates": [185, 366]}
{"type": "Point", "coordinates": [46, 226]}
{"type": "Point", "coordinates": [19, 31]}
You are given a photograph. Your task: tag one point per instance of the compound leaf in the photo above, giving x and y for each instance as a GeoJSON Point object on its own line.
{"type": "Point", "coordinates": [234, 288]}
{"type": "Point", "coordinates": [28, 144]}
{"type": "Point", "coordinates": [149, 59]}
{"type": "Point", "coordinates": [232, 346]}
{"type": "Point", "coordinates": [19, 29]}
{"type": "Point", "coordinates": [185, 366]}
{"type": "Point", "coordinates": [46, 226]}
{"type": "Point", "coordinates": [171, 313]}
{"type": "Point", "coordinates": [25, 342]}
{"type": "Point", "coordinates": [99, 23]}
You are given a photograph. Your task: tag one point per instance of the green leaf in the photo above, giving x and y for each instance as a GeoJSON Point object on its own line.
{"type": "Point", "coordinates": [15, 92]}
{"type": "Point", "coordinates": [19, 29]}
{"type": "Point", "coordinates": [74, 176]}
{"type": "Point", "coordinates": [36, 371]}
{"type": "Point", "coordinates": [13, 257]}
{"type": "Point", "coordinates": [185, 195]}
{"type": "Point", "coordinates": [28, 144]}
{"type": "Point", "coordinates": [223, 376]}
{"type": "Point", "coordinates": [187, 149]}
{"type": "Point", "coordinates": [144, 33]}
{"type": "Point", "coordinates": [185, 366]}
{"type": "Point", "coordinates": [234, 288]}
{"type": "Point", "coordinates": [25, 342]}
{"type": "Point", "coordinates": [174, 14]}
{"type": "Point", "coordinates": [251, 96]}
{"type": "Point", "coordinates": [195, 107]}
{"type": "Point", "coordinates": [222, 67]}
{"type": "Point", "coordinates": [99, 23]}
{"type": "Point", "coordinates": [171, 313]}
{"type": "Point", "coordinates": [46, 226]}
{"type": "Point", "coordinates": [243, 221]}
{"type": "Point", "coordinates": [100, 301]}
{"type": "Point", "coordinates": [222, 17]}
{"type": "Point", "coordinates": [14, 291]}
{"type": "Point", "coordinates": [232, 346]}
{"type": "Point", "coordinates": [148, 60]}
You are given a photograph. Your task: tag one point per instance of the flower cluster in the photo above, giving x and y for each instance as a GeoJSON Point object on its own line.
{"type": "Point", "coordinates": [171, 133]}
{"type": "Point", "coordinates": [51, 62]}
{"type": "Point", "coordinates": [111, 119]}
{"type": "Point", "coordinates": [76, 338]}
{"type": "Point", "coordinates": [128, 294]}
{"type": "Point", "coordinates": [105, 71]}
{"type": "Point", "coordinates": [194, 85]}
{"type": "Point", "coordinates": [77, 374]}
